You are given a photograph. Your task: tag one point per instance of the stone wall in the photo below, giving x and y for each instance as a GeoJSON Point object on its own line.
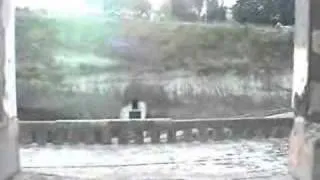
{"type": "Point", "coordinates": [9, 156]}
{"type": "Point", "coordinates": [304, 146]}
{"type": "Point", "coordinates": [9, 149]}
{"type": "Point", "coordinates": [151, 130]}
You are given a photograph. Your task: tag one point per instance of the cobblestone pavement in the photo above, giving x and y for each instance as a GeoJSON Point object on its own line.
{"type": "Point", "coordinates": [234, 160]}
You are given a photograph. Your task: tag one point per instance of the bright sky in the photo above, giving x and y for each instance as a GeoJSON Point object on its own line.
{"type": "Point", "coordinates": [229, 3]}
{"type": "Point", "coordinates": [58, 5]}
{"type": "Point", "coordinates": [77, 5]}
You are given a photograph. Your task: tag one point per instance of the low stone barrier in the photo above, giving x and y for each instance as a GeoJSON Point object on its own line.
{"type": "Point", "coordinates": [118, 131]}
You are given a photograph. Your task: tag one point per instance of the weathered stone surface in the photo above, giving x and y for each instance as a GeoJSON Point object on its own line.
{"type": "Point", "coordinates": [314, 55]}
{"type": "Point", "coordinates": [304, 153]}
{"type": "Point", "coordinates": [35, 176]}
{"type": "Point", "coordinates": [9, 156]}
{"type": "Point", "coordinates": [123, 137]}
{"type": "Point", "coordinates": [314, 106]}
{"type": "Point", "coordinates": [187, 134]}
{"type": "Point", "coordinates": [38, 176]}
{"type": "Point", "coordinates": [203, 133]}
{"type": "Point", "coordinates": [172, 137]}
{"type": "Point", "coordinates": [155, 135]}
{"type": "Point", "coordinates": [89, 134]}
{"type": "Point", "coordinates": [60, 134]}
{"type": "Point", "coordinates": [106, 134]}
{"type": "Point", "coordinates": [74, 133]}
{"type": "Point", "coordinates": [102, 131]}
{"type": "Point", "coordinates": [244, 159]}
{"type": "Point", "coordinates": [304, 149]}
{"type": "Point", "coordinates": [25, 134]}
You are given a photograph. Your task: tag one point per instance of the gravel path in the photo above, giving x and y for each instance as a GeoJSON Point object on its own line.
{"type": "Point", "coordinates": [256, 159]}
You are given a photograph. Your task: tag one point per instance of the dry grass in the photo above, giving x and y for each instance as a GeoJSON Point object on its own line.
{"type": "Point", "coordinates": [180, 70]}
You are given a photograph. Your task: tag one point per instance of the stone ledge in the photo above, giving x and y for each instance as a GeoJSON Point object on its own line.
{"type": "Point", "coordinates": [151, 130]}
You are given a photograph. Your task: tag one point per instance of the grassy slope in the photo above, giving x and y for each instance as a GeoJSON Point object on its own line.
{"type": "Point", "coordinates": [183, 70]}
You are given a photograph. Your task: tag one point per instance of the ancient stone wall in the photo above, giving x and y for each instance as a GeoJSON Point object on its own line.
{"type": "Point", "coordinates": [304, 141]}
{"type": "Point", "coordinates": [9, 148]}
{"type": "Point", "coordinates": [123, 131]}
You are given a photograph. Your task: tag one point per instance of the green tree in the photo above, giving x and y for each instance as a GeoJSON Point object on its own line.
{"type": "Point", "coordinates": [286, 11]}
{"type": "Point", "coordinates": [36, 40]}
{"type": "Point", "coordinates": [216, 11]}
{"type": "Point", "coordinates": [190, 10]}
{"type": "Point", "coordinates": [182, 10]}
{"type": "Point", "coordinates": [264, 11]}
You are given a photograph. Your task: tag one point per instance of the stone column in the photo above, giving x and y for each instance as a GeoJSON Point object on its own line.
{"type": "Point", "coordinates": [9, 149]}
{"type": "Point", "coordinates": [304, 151]}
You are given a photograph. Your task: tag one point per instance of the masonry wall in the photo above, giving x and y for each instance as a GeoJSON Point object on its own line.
{"type": "Point", "coordinates": [121, 131]}
{"type": "Point", "coordinates": [9, 156]}
{"type": "Point", "coordinates": [304, 141]}
{"type": "Point", "coordinates": [9, 149]}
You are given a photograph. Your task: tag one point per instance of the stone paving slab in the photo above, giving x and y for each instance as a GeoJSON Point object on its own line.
{"type": "Point", "coordinates": [38, 176]}
{"type": "Point", "coordinates": [35, 176]}
{"type": "Point", "coordinates": [234, 160]}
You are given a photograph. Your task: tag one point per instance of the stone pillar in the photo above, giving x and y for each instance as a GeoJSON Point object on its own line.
{"type": "Point", "coordinates": [304, 151]}
{"type": "Point", "coordinates": [9, 149]}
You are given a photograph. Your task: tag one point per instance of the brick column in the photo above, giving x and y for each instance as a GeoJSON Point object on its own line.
{"type": "Point", "coordinates": [304, 151]}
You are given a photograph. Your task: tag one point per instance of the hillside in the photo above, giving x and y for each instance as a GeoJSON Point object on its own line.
{"type": "Point", "coordinates": [180, 70]}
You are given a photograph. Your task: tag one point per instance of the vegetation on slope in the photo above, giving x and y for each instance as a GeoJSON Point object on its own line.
{"type": "Point", "coordinates": [182, 70]}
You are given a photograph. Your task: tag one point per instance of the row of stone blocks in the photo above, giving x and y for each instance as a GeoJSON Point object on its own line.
{"type": "Point", "coordinates": [150, 131]}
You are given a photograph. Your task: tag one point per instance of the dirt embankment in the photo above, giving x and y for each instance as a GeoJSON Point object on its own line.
{"type": "Point", "coordinates": [180, 70]}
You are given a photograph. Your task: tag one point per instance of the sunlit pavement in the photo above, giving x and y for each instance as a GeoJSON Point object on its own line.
{"type": "Point", "coordinates": [256, 159]}
{"type": "Point", "coordinates": [35, 176]}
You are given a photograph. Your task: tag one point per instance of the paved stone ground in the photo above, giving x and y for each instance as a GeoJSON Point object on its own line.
{"type": "Point", "coordinates": [38, 176]}
{"type": "Point", "coordinates": [34, 176]}
{"type": "Point", "coordinates": [229, 160]}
